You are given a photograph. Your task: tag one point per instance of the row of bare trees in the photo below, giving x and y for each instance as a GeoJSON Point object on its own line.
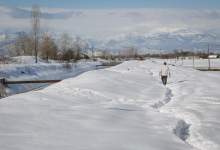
{"type": "Point", "coordinates": [129, 52]}
{"type": "Point", "coordinates": [70, 49]}
{"type": "Point", "coordinates": [29, 44]}
{"type": "Point", "coordinates": [43, 45]}
{"type": "Point", "coordinates": [179, 54]}
{"type": "Point", "coordinates": [66, 48]}
{"type": "Point", "coordinates": [47, 48]}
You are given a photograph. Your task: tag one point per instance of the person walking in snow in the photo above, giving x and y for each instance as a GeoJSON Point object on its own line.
{"type": "Point", "coordinates": [164, 73]}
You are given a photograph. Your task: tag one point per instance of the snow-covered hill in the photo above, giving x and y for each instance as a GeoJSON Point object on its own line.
{"type": "Point", "coordinates": [119, 108]}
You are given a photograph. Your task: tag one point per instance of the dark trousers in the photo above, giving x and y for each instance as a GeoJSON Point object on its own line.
{"type": "Point", "coordinates": [164, 79]}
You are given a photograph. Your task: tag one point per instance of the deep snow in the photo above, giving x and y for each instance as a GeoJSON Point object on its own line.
{"type": "Point", "coordinates": [123, 107]}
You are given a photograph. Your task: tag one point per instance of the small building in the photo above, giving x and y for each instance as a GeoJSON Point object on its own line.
{"type": "Point", "coordinates": [95, 53]}
{"type": "Point", "coordinates": [2, 37]}
{"type": "Point", "coordinates": [188, 57]}
{"type": "Point", "coordinates": [98, 53]}
{"type": "Point", "coordinates": [213, 56]}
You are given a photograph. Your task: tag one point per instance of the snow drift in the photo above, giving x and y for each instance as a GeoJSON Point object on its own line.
{"type": "Point", "coordinates": [112, 109]}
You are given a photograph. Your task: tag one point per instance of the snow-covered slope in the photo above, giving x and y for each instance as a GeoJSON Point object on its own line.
{"type": "Point", "coordinates": [123, 107]}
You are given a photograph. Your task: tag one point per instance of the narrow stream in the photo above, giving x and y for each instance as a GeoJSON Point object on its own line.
{"type": "Point", "coordinates": [23, 88]}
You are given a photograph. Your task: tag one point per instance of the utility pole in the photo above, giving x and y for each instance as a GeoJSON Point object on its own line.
{"type": "Point", "coordinates": [160, 53]}
{"type": "Point", "coordinates": [193, 60]}
{"type": "Point", "coordinates": [92, 52]}
{"type": "Point", "coordinates": [209, 63]}
{"type": "Point", "coordinates": [36, 29]}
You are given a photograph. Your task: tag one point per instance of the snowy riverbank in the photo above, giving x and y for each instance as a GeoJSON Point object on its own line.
{"type": "Point", "coordinates": [124, 107]}
{"type": "Point", "coordinates": [24, 68]}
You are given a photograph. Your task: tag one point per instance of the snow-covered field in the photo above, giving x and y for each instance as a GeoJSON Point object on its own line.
{"type": "Point", "coordinates": [198, 63]}
{"type": "Point", "coordinates": [120, 108]}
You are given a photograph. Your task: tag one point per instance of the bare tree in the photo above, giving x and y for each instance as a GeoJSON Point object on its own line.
{"type": "Point", "coordinates": [129, 52]}
{"type": "Point", "coordinates": [48, 48]}
{"type": "Point", "coordinates": [23, 45]}
{"type": "Point", "coordinates": [36, 28]}
{"type": "Point", "coordinates": [77, 48]}
{"type": "Point", "coordinates": [106, 54]}
{"type": "Point", "coordinates": [65, 42]}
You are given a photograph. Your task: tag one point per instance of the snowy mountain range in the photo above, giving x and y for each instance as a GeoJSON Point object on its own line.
{"type": "Point", "coordinates": [145, 29]}
{"type": "Point", "coordinates": [182, 39]}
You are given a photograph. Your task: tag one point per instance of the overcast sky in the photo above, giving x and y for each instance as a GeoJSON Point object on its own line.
{"type": "Point", "coordinates": [186, 4]}
{"type": "Point", "coordinates": [166, 24]}
{"type": "Point", "coordinates": [102, 19]}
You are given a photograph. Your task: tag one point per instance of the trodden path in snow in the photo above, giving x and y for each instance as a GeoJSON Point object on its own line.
{"type": "Point", "coordinates": [195, 101]}
{"type": "Point", "coordinates": [108, 109]}
{"type": "Point", "coordinates": [182, 128]}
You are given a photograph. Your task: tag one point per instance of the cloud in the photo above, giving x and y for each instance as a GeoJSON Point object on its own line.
{"type": "Point", "coordinates": [105, 24]}
{"type": "Point", "coordinates": [25, 13]}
